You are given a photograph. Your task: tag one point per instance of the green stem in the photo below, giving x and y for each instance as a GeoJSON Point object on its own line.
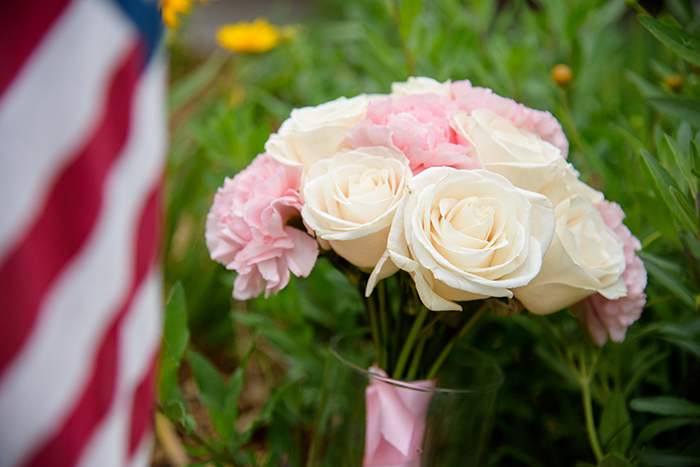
{"type": "Point", "coordinates": [410, 341]}
{"type": "Point", "coordinates": [372, 309]}
{"type": "Point", "coordinates": [588, 412]}
{"type": "Point", "coordinates": [450, 345]}
{"type": "Point", "coordinates": [381, 291]}
{"type": "Point", "coordinates": [415, 361]}
{"type": "Point", "coordinates": [430, 324]}
{"type": "Point", "coordinates": [635, 4]}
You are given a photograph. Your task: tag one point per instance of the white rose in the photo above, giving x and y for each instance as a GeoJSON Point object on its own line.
{"type": "Point", "coordinates": [585, 257]}
{"type": "Point", "coordinates": [522, 156]}
{"type": "Point", "coordinates": [421, 85]}
{"type": "Point", "coordinates": [350, 201]}
{"type": "Point", "coordinates": [467, 234]}
{"type": "Point", "coordinates": [314, 133]}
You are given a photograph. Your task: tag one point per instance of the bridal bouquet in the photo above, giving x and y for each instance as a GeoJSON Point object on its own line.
{"type": "Point", "coordinates": [434, 199]}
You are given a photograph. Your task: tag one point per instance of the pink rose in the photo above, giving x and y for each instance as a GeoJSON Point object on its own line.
{"type": "Point", "coordinates": [247, 228]}
{"type": "Point", "coordinates": [543, 123]}
{"type": "Point", "coordinates": [605, 317]}
{"type": "Point", "coordinates": [419, 126]}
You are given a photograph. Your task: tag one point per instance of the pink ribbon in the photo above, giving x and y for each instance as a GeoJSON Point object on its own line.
{"type": "Point", "coordinates": [395, 421]}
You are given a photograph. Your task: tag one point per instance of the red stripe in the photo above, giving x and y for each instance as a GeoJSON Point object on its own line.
{"type": "Point", "coordinates": [23, 23]}
{"type": "Point", "coordinates": [66, 446]}
{"type": "Point", "coordinates": [142, 409]}
{"type": "Point", "coordinates": [67, 218]}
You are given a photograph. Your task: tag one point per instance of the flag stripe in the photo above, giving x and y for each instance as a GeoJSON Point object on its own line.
{"type": "Point", "coordinates": [49, 113]}
{"type": "Point", "coordinates": [78, 308]}
{"type": "Point", "coordinates": [109, 445]}
{"type": "Point", "coordinates": [22, 25]}
{"type": "Point", "coordinates": [142, 410]}
{"type": "Point", "coordinates": [67, 217]}
{"type": "Point", "coordinates": [142, 458]}
{"type": "Point", "coordinates": [64, 449]}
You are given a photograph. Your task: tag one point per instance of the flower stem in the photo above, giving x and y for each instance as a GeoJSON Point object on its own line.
{"type": "Point", "coordinates": [372, 309]}
{"type": "Point", "coordinates": [450, 345]}
{"type": "Point", "coordinates": [381, 291]}
{"type": "Point", "coordinates": [410, 341]}
{"type": "Point", "coordinates": [415, 361]}
{"type": "Point", "coordinates": [588, 412]}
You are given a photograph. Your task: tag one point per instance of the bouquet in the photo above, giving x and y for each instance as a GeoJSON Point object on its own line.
{"type": "Point", "coordinates": [440, 201]}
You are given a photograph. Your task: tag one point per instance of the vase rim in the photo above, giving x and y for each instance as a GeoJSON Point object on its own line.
{"type": "Point", "coordinates": [499, 379]}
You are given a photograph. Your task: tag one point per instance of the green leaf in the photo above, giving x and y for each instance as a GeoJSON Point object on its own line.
{"type": "Point", "coordinates": [176, 338]}
{"type": "Point", "coordinates": [212, 389]}
{"type": "Point", "coordinates": [224, 423]}
{"type": "Point", "coordinates": [658, 215]}
{"type": "Point", "coordinates": [409, 11]}
{"type": "Point", "coordinates": [669, 406]}
{"type": "Point", "coordinates": [684, 135]}
{"type": "Point", "coordinates": [175, 330]}
{"type": "Point", "coordinates": [684, 44]}
{"type": "Point", "coordinates": [696, 156]}
{"type": "Point", "coordinates": [688, 344]}
{"type": "Point", "coordinates": [664, 459]}
{"type": "Point", "coordinates": [661, 181]}
{"type": "Point", "coordinates": [679, 106]}
{"type": "Point", "coordinates": [615, 425]}
{"type": "Point", "coordinates": [663, 425]}
{"type": "Point", "coordinates": [642, 370]}
{"type": "Point", "coordinates": [692, 220]}
{"type": "Point", "coordinates": [614, 460]}
{"type": "Point", "coordinates": [268, 409]}
{"type": "Point", "coordinates": [680, 159]}
{"type": "Point", "coordinates": [661, 262]}
{"type": "Point", "coordinates": [672, 284]}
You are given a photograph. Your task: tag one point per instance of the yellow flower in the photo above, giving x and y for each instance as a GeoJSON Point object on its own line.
{"type": "Point", "coordinates": [172, 9]}
{"type": "Point", "coordinates": [243, 37]}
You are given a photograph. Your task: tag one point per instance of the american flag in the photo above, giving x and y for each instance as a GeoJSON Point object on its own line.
{"type": "Point", "coordinates": [82, 140]}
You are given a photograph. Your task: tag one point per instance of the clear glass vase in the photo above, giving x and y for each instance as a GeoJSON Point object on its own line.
{"type": "Point", "coordinates": [457, 424]}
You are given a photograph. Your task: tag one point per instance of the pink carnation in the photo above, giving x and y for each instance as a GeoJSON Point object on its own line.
{"type": "Point", "coordinates": [417, 125]}
{"type": "Point", "coordinates": [247, 228]}
{"type": "Point", "coordinates": [541, 122]}
{"type": "Point", "coordinates": [605, 317]}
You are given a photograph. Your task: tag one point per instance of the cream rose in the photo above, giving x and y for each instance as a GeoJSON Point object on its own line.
{"type": "Point", "coordinates": [421, 85]}
{"type": "Point", "coordinates": [314, 133]}
{"type": "Point", "coordinates": [350, 201]}
{"type": "Point", "coordinates": [466, 235]}
{"type": "Point", "coordinates": [585, 257]}
{"type": "Point", "coordinates": [522, 156]}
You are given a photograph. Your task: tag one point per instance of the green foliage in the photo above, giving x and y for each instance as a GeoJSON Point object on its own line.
{"type": "Point", "coordinates": [615, 430]}
{"type": "Point", "coordinates": [614, 460]}
{"type": "Point", "coordinates": [176, 338]}
{"type": "Point", "coordinates": [684, 44]}
{"type": "Point", "coordinates": [666, 405]}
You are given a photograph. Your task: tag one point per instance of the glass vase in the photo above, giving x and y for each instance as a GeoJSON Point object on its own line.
{"type": "Point", "coordinates": [454, 431]}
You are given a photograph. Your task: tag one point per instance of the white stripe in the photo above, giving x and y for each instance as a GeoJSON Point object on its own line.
{"type": "Point", "coordinates": [142, 457]}
{"type": "Point", "coordinates": [138, 341]}
{"type": "Point", "coordinates": [42, 384]}
{"type": "Point", "coordinates": [54, 105]}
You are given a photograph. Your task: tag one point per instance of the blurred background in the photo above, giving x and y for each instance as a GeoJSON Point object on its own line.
{"type": "Point", "coordinates": [241, 388]}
